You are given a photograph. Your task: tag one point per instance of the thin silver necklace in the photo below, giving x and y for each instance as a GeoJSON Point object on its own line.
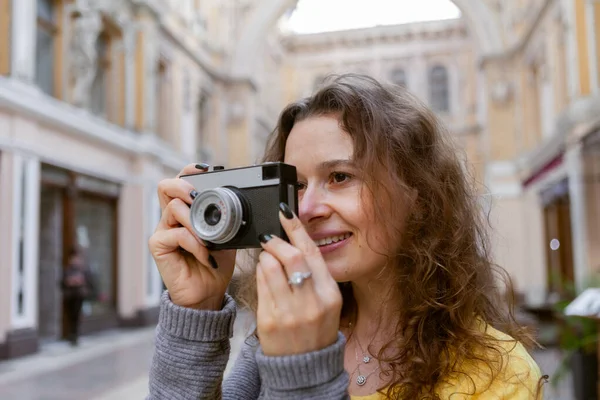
{"type": "Point", "coordinates": [362, 379]}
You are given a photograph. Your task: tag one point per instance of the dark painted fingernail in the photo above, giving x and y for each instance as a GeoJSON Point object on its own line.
{"type": "Point", "coordinates": [285, 209]}
{"type": "Point", "coordinates": [264, 237]}
{"type": "Point", "coordinates": [193, 194]}
{"type": "Point", "coordinates": [213, 262]}
{"type": "Point", "coordinates": [202, 166]}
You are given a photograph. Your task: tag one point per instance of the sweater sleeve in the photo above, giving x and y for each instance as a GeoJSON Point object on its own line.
{"type": "Point", "coordinates": [191, 351]}
{"type": "Point", "coordinates": [315, 375]}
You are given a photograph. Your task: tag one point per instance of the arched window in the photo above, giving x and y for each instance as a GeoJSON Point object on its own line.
{"type": "Point", "coordinates": [439, 95]}
{"type": "Point", "coordinates": [398, 77]}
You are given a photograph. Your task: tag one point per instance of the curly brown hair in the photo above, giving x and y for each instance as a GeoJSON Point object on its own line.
{"type": "Point", "coordinates": [442, 258]}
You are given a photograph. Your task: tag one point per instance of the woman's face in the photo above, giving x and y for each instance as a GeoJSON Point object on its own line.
{"type": "Point", "coordinates": [332, 206]}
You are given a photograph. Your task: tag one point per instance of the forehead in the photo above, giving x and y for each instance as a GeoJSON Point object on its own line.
{"type": "Point", "coordinates": [317, 139]}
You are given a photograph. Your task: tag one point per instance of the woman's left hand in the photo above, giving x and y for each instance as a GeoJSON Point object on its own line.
{"type": "Point", "coordinates": [295, 319]}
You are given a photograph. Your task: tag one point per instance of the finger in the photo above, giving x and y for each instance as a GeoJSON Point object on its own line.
{"type": "Point", "coordinates": [301, 240]}
{"type": "Point", "coordinates": [265, 300]}
{"type": "Point", "coordinates": [169, 189]}
{"type": "Point", "coordinates": [276, 279]}
{"type": "Point", "coordinates": [176, 214]}
{"type": "Point", "coordinates": [164, 242]}
{"type": "Point", "coordinates": [292, 258]}
{"type": "Point", "coordinates": [298, 236]}
{"type": "Point", "coordinates": [191, 169]}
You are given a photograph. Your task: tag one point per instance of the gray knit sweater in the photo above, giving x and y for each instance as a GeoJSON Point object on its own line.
{"type": "Point", "coordinates": [192, 350]}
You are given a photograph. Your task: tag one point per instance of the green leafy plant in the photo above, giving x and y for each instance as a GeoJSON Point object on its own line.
{"type": "Point", "coordinates": [576, 334]}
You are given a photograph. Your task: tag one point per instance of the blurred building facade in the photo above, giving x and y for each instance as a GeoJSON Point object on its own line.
{"type": "Point", "coordinates": [517, 83]}
{"type": "Point", "coordinates": [100, 99]}
{"type": "Point", "coordinates": [434, 60]}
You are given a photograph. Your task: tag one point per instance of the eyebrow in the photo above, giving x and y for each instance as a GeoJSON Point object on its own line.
{"type": "Point", "coordinates": [331, 164]}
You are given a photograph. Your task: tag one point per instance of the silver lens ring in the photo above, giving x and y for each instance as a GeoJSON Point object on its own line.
{"type": "Point", "coordinates": [230, 218]}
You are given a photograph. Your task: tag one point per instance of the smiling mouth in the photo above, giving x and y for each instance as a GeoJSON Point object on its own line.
{"type": "Point", "coordinates": [332, 239]}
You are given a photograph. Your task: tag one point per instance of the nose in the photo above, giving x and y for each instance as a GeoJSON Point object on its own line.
{"type": "Point", "coordinates": [313, 205]}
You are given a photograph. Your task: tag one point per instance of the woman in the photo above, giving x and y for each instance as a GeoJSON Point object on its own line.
{"type": "Point", "coordinates": [396, 296]}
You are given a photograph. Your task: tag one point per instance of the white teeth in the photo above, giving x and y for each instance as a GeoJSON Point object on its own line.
{"type": "Point", "coordinates": [332, 239]}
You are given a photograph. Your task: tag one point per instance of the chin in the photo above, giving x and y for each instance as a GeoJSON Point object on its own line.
{"type": "Point", "coordinates": [339, 271]}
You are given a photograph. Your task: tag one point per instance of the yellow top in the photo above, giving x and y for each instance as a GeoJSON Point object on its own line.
{"type": "Point", "coordinates": [518, 379]}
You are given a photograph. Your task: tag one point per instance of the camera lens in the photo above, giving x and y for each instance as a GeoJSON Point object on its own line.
{"type": "Point", "coordinates": [212, 214]}
{"type": "Point", "coordinates": [217, 214]}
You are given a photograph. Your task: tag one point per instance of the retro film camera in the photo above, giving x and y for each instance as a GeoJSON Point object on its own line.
{"type": "Point", "coordinates": [235, 205]}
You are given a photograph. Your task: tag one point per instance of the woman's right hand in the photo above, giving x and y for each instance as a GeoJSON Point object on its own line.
{"type": "Point", "coordinates": [190, 276]}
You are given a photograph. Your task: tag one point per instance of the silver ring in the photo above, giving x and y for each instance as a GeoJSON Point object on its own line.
{"type": "Point", "coordinates": [298, 278]}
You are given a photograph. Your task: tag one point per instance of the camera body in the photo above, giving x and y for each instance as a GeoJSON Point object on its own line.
{"type": "Point", "coordinates": [236, 205]}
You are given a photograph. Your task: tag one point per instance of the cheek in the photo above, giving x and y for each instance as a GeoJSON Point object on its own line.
{"type": "Point", "coordinates": [374, 226]}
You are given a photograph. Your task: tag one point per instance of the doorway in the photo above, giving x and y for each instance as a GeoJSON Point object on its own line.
{"type": "Point", "coordinates": [76, 211]}
{"type": "Point", "coordinates": [558, 239]}
{"type": "Point", "coordinates": [50, 265]}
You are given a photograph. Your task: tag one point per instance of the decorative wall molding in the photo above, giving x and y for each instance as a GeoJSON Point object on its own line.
{"type": "Point", "coordinates": [82, 124]}
{"type": "Point", "coordinates": [392, 35]}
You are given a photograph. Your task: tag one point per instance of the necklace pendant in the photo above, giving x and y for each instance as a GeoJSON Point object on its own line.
{"type": "Point", "coordinates": [361, 380]}
{"type": "Point", "coordinates": [366, 359]}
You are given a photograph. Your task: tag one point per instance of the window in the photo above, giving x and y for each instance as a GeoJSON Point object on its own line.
{"type": "Point", "coordinates": [439, 96]}
{"type": "Point", "coordinates": [162, 100]}
{"type": "Point", "coordinates": [46, 32]}
{"type": "Point", "coordinates": [398, 77]}
{"type": "Point", "coordinates": [99, 93]}
{"type": "Point", "coordinates": [95, 219]}
{"type": "Point", "coordinates": [203, 115]}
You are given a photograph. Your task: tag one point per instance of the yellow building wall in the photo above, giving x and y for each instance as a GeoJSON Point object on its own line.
{"type": "Point", "coordinates": [582, 47]}
{"type": "Point", "coordinates": [5, 13]}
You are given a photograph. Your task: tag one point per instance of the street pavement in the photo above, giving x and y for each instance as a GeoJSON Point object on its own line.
{"type": "Point", "coordinates": [114, 366]}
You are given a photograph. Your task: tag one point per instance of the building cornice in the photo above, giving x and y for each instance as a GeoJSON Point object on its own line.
{"type": "Point", "coordinates": [24, 100]}
{"type": "Point", "coordinates": [390, 34]}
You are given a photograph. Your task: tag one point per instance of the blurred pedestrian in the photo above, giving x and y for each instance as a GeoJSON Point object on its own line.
{"type": "Point", "coordinates": [78, 286]}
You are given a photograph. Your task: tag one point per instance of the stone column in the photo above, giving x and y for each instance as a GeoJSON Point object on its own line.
{"type": "Point", "coordinates": [7, 189]}
{"type": "Point", "coordinates": [23, 45]}
{"type": "Point", "coordinates": [131, 244]}
{"type": "Point", "coordinates": [592, 24]}
{"type": "Point", "coordinates": [129, 45]}
{"type": "Point", "coordinates": [19, 211]}
{"type": "Point", "coordinates": [150, 70]}
{"type": "Point", "coordinates": [139, 282]}
{"type": "Point", "coordinates": [575, 172]}
{"type": "Point", "coordinates": [145, 43]}
{"type": "Point", "coordinates": [568, 8]}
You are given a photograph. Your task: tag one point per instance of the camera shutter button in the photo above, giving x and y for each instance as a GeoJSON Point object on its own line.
{"type": "Point", "coordinates": [218, 168]}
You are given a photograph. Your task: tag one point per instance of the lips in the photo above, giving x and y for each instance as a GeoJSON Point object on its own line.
{"type": "Point", "coordinates": [332, 239]}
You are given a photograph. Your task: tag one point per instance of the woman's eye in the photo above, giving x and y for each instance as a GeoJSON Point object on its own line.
{"type": "Point", "coordinates": [300, 186]}
{"type": "Point", "coordinates": [339, 177]}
